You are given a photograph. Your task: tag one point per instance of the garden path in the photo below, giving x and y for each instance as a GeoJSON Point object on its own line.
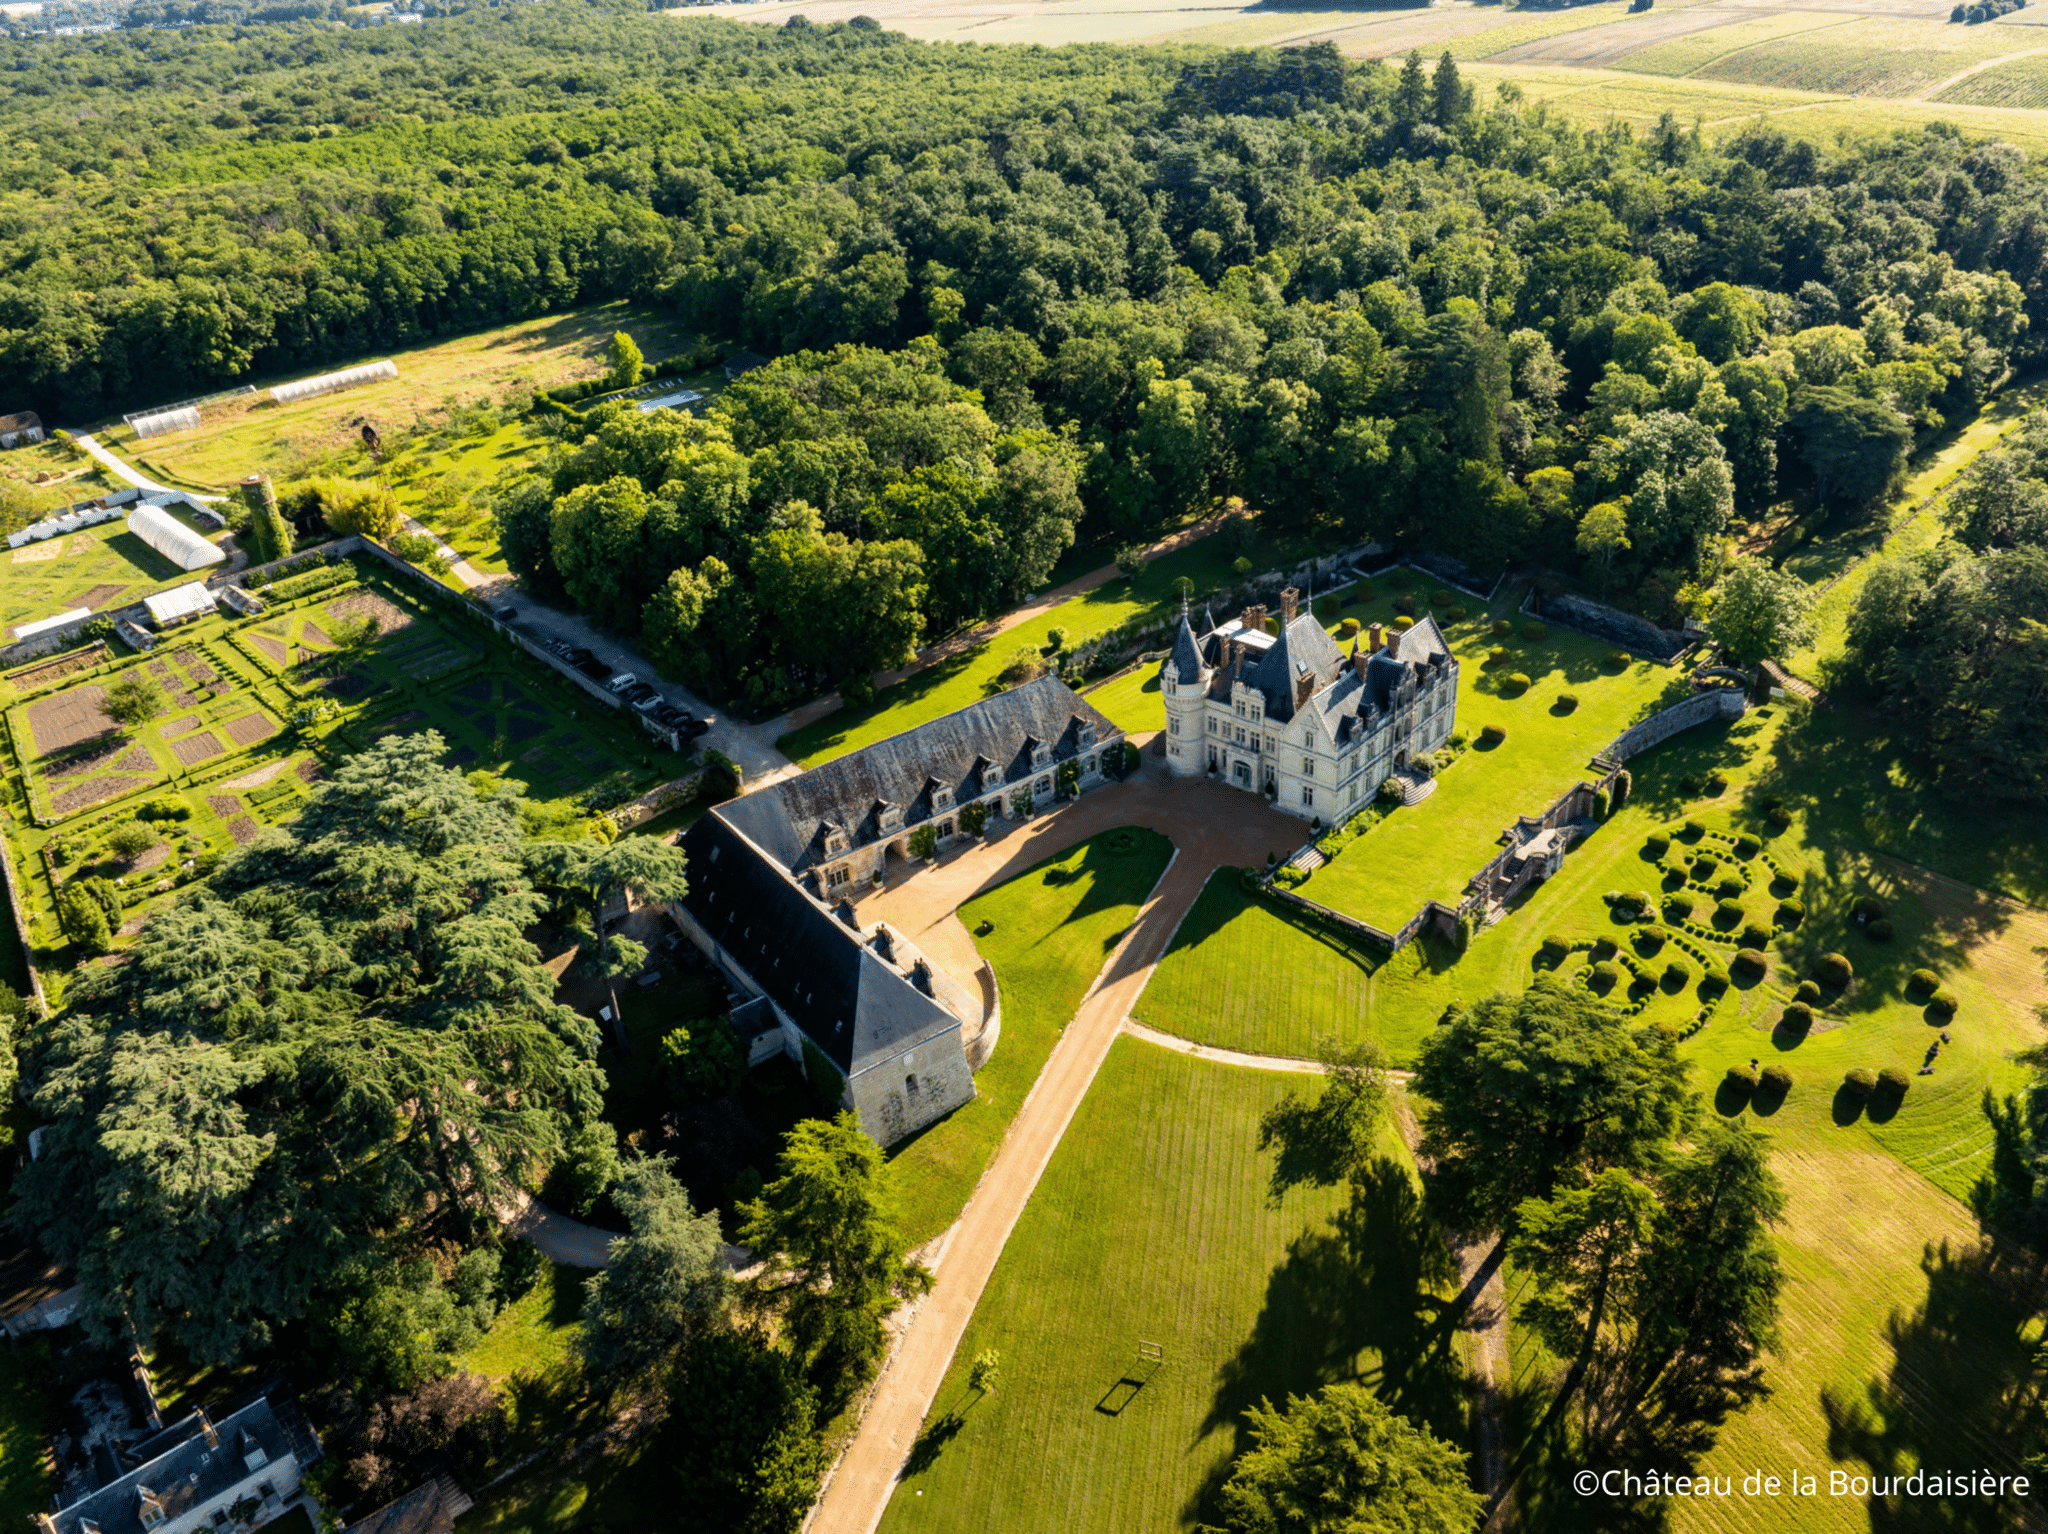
{"type": "Point", "coordinates": [959, 643]}
{"type": "Point", "coordinates": [1211, 827]}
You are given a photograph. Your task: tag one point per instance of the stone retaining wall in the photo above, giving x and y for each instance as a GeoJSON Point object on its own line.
{"type": "Point", "coordinates": [1720, 703]}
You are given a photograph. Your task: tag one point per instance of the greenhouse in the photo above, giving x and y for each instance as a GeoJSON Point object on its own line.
{"type": "Point", "coordinates": [155, 423]}
{"type": "Point", "coordinates": [331, 383]}
{"type": "Point", "coordinates": [173, 539]}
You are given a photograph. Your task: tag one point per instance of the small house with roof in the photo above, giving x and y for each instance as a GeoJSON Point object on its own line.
{"type": "Point", "coordinates": [1290, 715]}
{"type": "Point", "coordinates": [772, 876]}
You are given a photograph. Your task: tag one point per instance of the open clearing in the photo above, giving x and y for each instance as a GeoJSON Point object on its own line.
{"type": "Point", "coordinates": [1152, 1225]}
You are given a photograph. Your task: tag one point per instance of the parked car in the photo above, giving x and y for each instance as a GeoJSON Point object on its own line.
{"type": "Point", "coordinates": [620, 682]}
{"type": "Point", "coordinates": [505, 614]}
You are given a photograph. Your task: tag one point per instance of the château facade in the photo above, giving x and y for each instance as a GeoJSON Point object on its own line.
{"type": "Point", "coordinates": [1291, 715]}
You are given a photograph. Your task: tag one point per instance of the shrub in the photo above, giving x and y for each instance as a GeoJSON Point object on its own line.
{"type": "Point", "coordinates": [1728, 910]}
{"type": "Point", "coordinates": [1623, 784]}
{"type": "Point", "coordinates": [1347, 629]}
{"type": "Point", "coordinates": [1640, 900]}
{"type": "Point", "coordinates": [1679, 906]}
{"type": "Point", "coordinates": [1455, 613]}
{"type": "Point", "coordinates": [1717, 783]}
{"type": "Point", "coordinates": [1925, 981]}
{"type": "Point", "coordinates": [1776, 1080]}
{"type": "Point", "coordinates": [1657, 845]}
{"type": "Point", "coordinates": [1567, 701]}
{"type": "Point", "coordinates": [1867, 908]}
{"type": "Point", "coordinates": [1791, 912]}
{"type": "Point", "coordinates": [1605, 973]}
{"type": "Point", "coordinates": [1741, 1078]}
{"type": "Point", "coordinates": [1690, 785]}
{"type": "Point", "coordinates": [1497, 656]}
{"type": "Point", "coordinates": [1501, 628]}
{"type": "Point", "coordinates": [1755, 935]}
{"type": "Point", "coordinates": [1879, 931]}
{"type": "Point", "coordinates": [1555, 946]}
{"type": "Point", "coordinates": [1362, 592]}
{"type": "Point", "coordinates": [1807, 992]}
{"type": "Point", "coordinates": [1713, 981]}
{"type": "Point", "coordinates": [1798, 1017]}
{"type": "Point", "coordinates": [1519, 681]}
{"type": "Point", "coordinates": [1492, 735]}
{"type": "Point", "coordinates": [1404, 623]}
{"type": "Point", "coordinates": [1705, 866]}
{"type": "Point", "coordinates": [1833, 969]}
{"type": "Point", "coordinates": [165, 808]}
{"type": "Point", "coordinates": [1859, 1082]}
{"type": "Point", "coordinates": [1534, 631]}
{"type": "Point", "coordinates": [1731, 889]}
{"type": "Point", "coordinates": [130, 839]}
{"type": "Point", "coordinates": [1605, 948]}
{"type": "Point", "coordinates": [1893, 1082]}
{"type": "Point", "coordinates": [1695, 829]}
{"type": "Point", "coordinates": [1752, 960]}
{"type": "Point", "coordinates": [1649, 940]}
{"type": "Point", "coordinates": [1441, 597]}
{"type": "Point", "coordinates": [1677, 973]}
{"type": "Point", "coordinates": [1943, 1003]}
{"type": "Point", "coordinates": [1600, 805]}
{"type": "Point", "coordinates": [1748, 845]}
{"type": "Point", "coordinates": [1404, 604]}
{"type": "Point", "coordinates": [1619, 660]}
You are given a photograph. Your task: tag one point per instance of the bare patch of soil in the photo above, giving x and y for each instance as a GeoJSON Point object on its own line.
{"type": "Point", "coordinates": [251, 728]}
{"type": "Point", "coordinates": [313, 634]}
{"type": "Point", "coordinates": [244, 831]}
{"type": "Point", "coordinates": [179, 727]}
{"type": "Point", "coordinates": [227, 806]}
{"type": "Point", "coordinates": [310, 770]}
{"type": "Point", "coordinates": [96, 760]}
{"type": "Point", "coordinates": [98, 595]}
{"type": "Point", "coordinates": [132, 926]}
{"type": "Point", "coordinates": [68, 719]}
{"type": "Point", "coordinates": [73, 800]}
{"type": "Point", "coordinates": [197, 748]}
{"type": "Point", "coordinates": [38, 553]}
{"type": "Point", "coordinates": [272, 651]}
{"type": "Point", "coordinates": [154, 857]}
{"type": "Point", "coordinates": [57, 670]}
{"type": "Point", "coordinates": [367, 604]}
{"type": "Point", "coordinates": [257, 778]}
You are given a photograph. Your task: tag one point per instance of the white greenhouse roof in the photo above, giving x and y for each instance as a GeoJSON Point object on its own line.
{"type": "Point", "coordinates": [329, 383]}
{"type": "Point", "coordinates": [672, 401]}
{"type": "Point", "coordinates": [187, 601]}
{"type": "Point", "coordinates": [44, 625]}
{"type": "Point", "coordinates": [173, 539]}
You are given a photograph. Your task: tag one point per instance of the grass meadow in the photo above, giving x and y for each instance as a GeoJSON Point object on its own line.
{"type": "Point", "coordinates": [100, 567]}
{"type": "Point", "coordinates": [1133, 703]}
{"type": "Point", "coordinates": [1152, 1224]}
{"type": "Point", "coordinates": [1885, 56]}
{"type": "Point", "coordinates": [1053, 928]}
{"type": "Point", "coordinates": [67, 474]}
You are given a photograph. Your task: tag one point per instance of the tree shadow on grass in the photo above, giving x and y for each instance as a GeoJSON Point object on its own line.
{"type": "Point", "coordinates": [1362, 1298]}
{"type": "Point", "coordinates": [1960, 1395]}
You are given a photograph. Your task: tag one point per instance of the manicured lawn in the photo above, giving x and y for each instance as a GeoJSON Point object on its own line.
{"type": "Point", "coordinates": [1430, 851]}
{"type": "Point", "coordinates": [1054, 927]}
{"type": "Point", "coordinates": [101, 567]}
{"type": "Point", "coordinates": [1152, 1224]}
{"type": "Point", "coordinates": [968, 678]}
{"type": "Point", "coordinates": [25, 1482]}
{"type": "Point", "coordinates": [1245, 974]}
{"type": "Point", "coordinates": [1133, 703]}
{"type": "Point", "coordinates": [534, 1334]}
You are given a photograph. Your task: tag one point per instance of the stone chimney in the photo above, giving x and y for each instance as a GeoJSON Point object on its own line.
{"type": "Point", "coordinates": [1255, 618]}
{"type": "Point", "coordinates": [1359, 658]}
{"type": "Point", "coordinates": [1290, 602]}
{"type": "Point", "coordinates": [206, 1426]}
{"type": "Point", "coordinates": [1394, 643]}
{"type": "Point", "coordinates": [883, 944]}
{"type": "Point", "coordinates": [1374, 638]}
{"type": "Point", "coordinates": [844, 911]}
{"type": "Point", "coordinates": [921, 976]}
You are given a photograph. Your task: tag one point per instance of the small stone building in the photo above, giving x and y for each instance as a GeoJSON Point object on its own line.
{"type": "Point", "coordinates": [772, 874]}
{"type": "Point", "coordinates": [1292, 716]}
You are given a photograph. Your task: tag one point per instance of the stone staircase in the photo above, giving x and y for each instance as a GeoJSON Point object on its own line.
{"type": "Point", "coordinates": [1309, 859]}
{"type": "Point", "coordinates": [1414, 787]}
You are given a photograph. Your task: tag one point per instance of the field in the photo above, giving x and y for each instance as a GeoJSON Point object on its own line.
{"type": "Point", "coordinates": [1053, 928]}
{"type": "Point", "coordinates": [1132, 703]}
{"type": "Point", "coordinates": [533, 1334]}
{"type": "Point", "coordinates": [1695, 51]}
{"type": "Point", "coordinates": [1430, 850]}
{"type": "Point", "coordinates": [68, 478]}
{"type": "Point", "coordinates": [970, 676]}
{"type": "Point", "coordinates": [1152, 1225]}
{"type": "Point", "coordinates": [251, 432]}
{"type": "Point", "coordinates": [100, 567]}
{"type": "Point", "coordinates": [1870, 56]}
{"type": "Point", "coordinates": [231, 753]}
{"type": "Point", "coordinates": [2020, 82]}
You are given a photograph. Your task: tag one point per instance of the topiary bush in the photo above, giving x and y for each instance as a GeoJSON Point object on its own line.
{"type": "Point", "coordinates": [1501, 628]}
{"type": "Point", "coordinates": [1492, 735]}
{"type": "Point", "coordinates": [1717, 783]}
{"type": "Point", "coordinates": [1619, 660]}
{"type": "Point", "coordinates": [1455, 613]}
{"type": "Point", "coordinates": [1742, 1078]}
{"type": "Point", "coordinates": [1518, 681]}
{"type": "Point", "coordinates": [1776, 1080]}
{"type": "Point", "coordinates": [1807, 992]}
{"type": "Point", "coordinates": [1641, 900]}
{"type": "Point", "coordinates": [1677, 974]}
{"type": "Point", "coordinates": [1404, 623]}
{"type": "Point", "coordinates": [1798, 1017]}
{"type": "Point", "coordinates": [1348, 629]}
{"type": "Point", "coordinates": [1728, 911]}
{"type": "Point", "coordinates": [1695, 829]}
{"type": "Point", "coordinates": [1924, 981]}
{"type": "Point", "coordinates": [1534, 631]}
{"type": "Point", "coordinates": [1713, 981]}
{"type": "Point", "coordinates": [1730, 890]}
{"type": "Point", "coordinates": [1791, 912]}
{"type": "Point", "coordinates": [1555, 946]}
{"type": "Point", "coordinates": [1893, 1082]}
{"type": "Point", "coordinates": [1657, 845]}
{"type": "Point", "coordinates": [1441, 597]}
{"type": "Point", "coordinates": [1943, 1003]}
{"type": "Point", "coordinates": [1649, 940]}
{"type": "Point", "coordinates": [1867, 908]}
{"type": "Point", "coordinates": [1679, 906]}
{"type": "Point", "coordinates": [1752, 960]}
{"type": "Point", "coordinates": [1605, 973]}
{"type": "Point", "coordinates": [1833, 969]}
{"type": "Point", "coordinates": [1755, 935]}
{"type": "Point", "coordinates": [1497, 656]}
{"type": "Point", "coordinates": [1705, 866]}
{"type": "Point", "coordinates": [1859, 1082]}
{"type": "Point", "coordinates": [1879, 931]}
{"type": "Point", "coordinates": [1567, 701]}
{"type": "Point", "coordinates": [1748, 845]}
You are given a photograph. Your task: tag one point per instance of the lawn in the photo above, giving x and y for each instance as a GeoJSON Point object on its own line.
{"type": "Point", "coordinates": [101, 567]}
{"type": "Point", "coordinates": [971, 676]}
{"type": "Point", "coordinates": [1430, 851]}
{"type": "Point", "coordinates": [71, 476]}
{"type": "Point", "coordinates": [1152, 1225]}
{"type": "Point", "coordinates": [1133, 703]}
{"type": "Point", "coordinates": [504, 364]}
{"type": "Point", "coordinates": [536, 1332]}
{"type": "Point", "coordinates": [1053, 928]}
{"type": "Point", "coordinates": [1234, 958]}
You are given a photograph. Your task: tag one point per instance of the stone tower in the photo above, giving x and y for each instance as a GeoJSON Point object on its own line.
{"type": "Point", "coordinates": [1184, 683]}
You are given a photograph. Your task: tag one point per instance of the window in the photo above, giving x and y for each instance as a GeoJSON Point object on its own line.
{"type": "Point", "coordinates": [833, 844]}
{"type": "Point", "coordinates": [1213, 727]}
{"type": "Point", "coordinates": [910, 1085]}
{"type": "Point", "coordinates": [942, 798]}
{"type": "Point", "coordinates": [945, 829]}
{"type": "Point", "coordinates": [1308, 766]}
{"type": "Point", "coordinates": [1042, 786]}
{"type": "Point", "coordinates": [1308, 796]}
{"type": "Point", "coordinates": [1174, 724]}
{"type": "Point", "coordinates": [834, 877]}
{"type": "Point", "coordinates": [1088, 767]}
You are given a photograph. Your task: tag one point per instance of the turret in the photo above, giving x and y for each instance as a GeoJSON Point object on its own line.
{"type": "Point", "coordinates": [1184, 684]}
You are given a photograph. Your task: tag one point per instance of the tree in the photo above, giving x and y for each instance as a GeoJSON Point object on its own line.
{"type": "Point", "coordinates": [134, 698]}
{"type": "Point", "coordinates": [591, 1164]}
{"type": "Point", "coordinates": [662, 1287]}
{"type": "Point", "coordinates": [647, 868]}
{"type": "Point", "coordinates": [209, 1184]}
{"type": "Point", "coordinates": [742, 1436]}
{"type": "Point", "coordinates": [1856, 447]}
{"type": "Point", "coordinates": [830, 1224]}
{"type": "Point", "coordinates": [348, 507]}
{"type": "Point", "coordinates": [89, 910]}
{"type": "Point", "coordinates": [130, 839]}
{"type": "Point", "coordinates": [422, 550]}
{"type": "Point", "coordinates": [1603, 533]}
{"type": "Point", "coordinates": [1759, 612]}
{"type": "Point", "coordinates": [623, 361]}
{"type": "Point", "coordinates": [1342, 1462]}
{"type": "Point", "coordinates": [705, 1062]}
{"type": "Point", "coordinates": [1673, 476]}
{"type": "Point", "coordinates": [1722, 322]}
{"type": "Point", "coordinates": [1524, 1094]}
{"type": "Point", "coordinates": [1323, 1142]}
{"type": "Point", "coordinates": [986, 1373]}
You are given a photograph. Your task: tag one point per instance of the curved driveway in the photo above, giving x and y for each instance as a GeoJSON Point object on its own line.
{"type": "Point", "coordinates": [1211, 827]}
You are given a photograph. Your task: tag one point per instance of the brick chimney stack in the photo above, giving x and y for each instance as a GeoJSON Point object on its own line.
{"type": "Point", "coordinates": [1374, 638]}
{"type": "Point", "coordinates": [1255, 618]}
{"type": "Point", "coordinates": [1290, 602]}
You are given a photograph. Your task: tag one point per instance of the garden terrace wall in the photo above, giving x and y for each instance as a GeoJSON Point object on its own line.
{"type": "Point", "coordinates": [1610, 625]}
{"type": "Point", "coordinates": [1719, 703]}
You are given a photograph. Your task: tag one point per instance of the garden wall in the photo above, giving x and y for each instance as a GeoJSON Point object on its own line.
{"type": "Point", "coordinates": [1639, 636]}
{"type": "Point", "coordinates": [1719, 703]}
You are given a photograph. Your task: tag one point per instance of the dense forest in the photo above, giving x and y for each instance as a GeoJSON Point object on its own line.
{"type": "Point", "coordinates": [1019, 296]}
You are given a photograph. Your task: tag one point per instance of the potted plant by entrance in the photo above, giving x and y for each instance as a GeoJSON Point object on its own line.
{"type": "Point", "coordinates": [1021, 802]}
{"type": "Point", "coordinates": [974, 821]}
{"type": "Point", "coordinates": [924, 844]}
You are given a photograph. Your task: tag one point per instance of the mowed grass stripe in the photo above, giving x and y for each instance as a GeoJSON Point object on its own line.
{"type": "Point", "coordinates": [1151, 1224]}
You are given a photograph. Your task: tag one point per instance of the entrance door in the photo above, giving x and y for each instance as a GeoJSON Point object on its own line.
{"type": "Point", "coordinates": [1242, 771]}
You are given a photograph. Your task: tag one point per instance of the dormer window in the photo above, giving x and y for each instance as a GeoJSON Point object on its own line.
{"type": "Point", "coordinates": [1087, 733]}
{"type": "Point", "coordinates": [1040, 755]}
{"type": "Point", "coordinates": [892, 817]}
{"type": "Point", "coordinates": [835, 844]}
{"type": "Point", "coordinates": [942, 798]}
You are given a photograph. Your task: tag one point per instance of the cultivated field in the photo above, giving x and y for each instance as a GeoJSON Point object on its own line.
{"type": "Point", "coordinates": [99, 567]}
{"type": "Point", "coordinates": [1051, 929]}
{"type": "Point", "coordinates": [1152, 1224]}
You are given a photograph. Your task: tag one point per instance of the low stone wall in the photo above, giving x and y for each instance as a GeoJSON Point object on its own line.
{"type": "Point", "coordinates": [1638, 636]}
{"type": "Point", "coordinates": [1720, 703]}
{"type": "Point", "coordinates": [983, 1045]}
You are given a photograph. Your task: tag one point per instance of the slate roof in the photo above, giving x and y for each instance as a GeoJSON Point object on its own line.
{"type": "Point", "coordinates": [971, 752]}
{"type": "Point", "coordinates": [855, 1007]}
{"type": "Point", "coordinates": [1277, 665]}
{"type": "Point", "coordinates": [1187, 654]}
{"type": "Point", "coordinates": [181, 1469]}
{"type": "Point", "coordinates": [423, 1510]}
